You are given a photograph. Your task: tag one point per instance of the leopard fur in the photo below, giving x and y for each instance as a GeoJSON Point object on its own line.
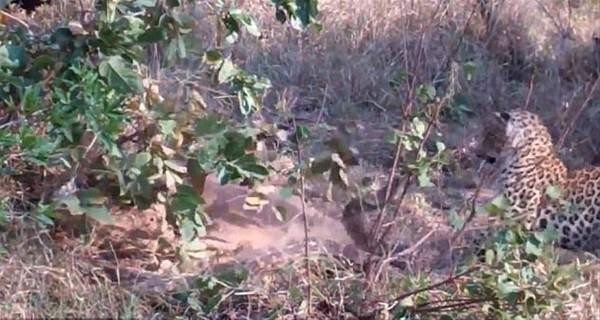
{"type": "Point", "coordinates": [531, 166]}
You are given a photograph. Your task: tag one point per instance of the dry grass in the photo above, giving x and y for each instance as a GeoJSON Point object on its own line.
{"type": "Point", "coordinates": [537, 54]}
{"type": "Point", "coordinates": [38, 280]}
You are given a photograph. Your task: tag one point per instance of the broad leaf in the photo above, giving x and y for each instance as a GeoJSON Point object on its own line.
{"type": "Point", "coordinates": [120, 75]}
{"type": "Point", "coordinates": [12, 56]}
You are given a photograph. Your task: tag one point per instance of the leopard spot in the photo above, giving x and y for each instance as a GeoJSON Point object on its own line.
{"type": "Point", "coordinates": [530, 184]}
{"type": "Point", "coordinates": [566, 230]}
{"type": "Point", "coordinates": [577, 243]}
{"type": "Point", "coordinates": [589, 190]}
{"type": "Point", "coordinates": [543, 223]}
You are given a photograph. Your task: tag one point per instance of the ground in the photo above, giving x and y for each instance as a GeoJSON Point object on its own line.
{"type": "Point", "coordinates": [341, 81]}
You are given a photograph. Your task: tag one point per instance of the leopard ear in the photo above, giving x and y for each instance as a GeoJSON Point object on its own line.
{"type": "Point", "coordinates": [502, 115]}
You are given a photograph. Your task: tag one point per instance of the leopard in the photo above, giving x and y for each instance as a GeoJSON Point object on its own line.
{"type": "Point", "coordinates": [540, 190]}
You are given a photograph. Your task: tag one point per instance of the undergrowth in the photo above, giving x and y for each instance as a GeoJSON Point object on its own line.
{"type": "Point", "coordinates": [122, 107]}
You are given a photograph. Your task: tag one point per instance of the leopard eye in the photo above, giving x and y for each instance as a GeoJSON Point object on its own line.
{"type": "Point", "coordinates": [505, 116]}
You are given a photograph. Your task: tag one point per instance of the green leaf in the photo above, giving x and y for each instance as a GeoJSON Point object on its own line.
{"type": "Point", "coordinates": [469, 68]}
{"type": "Point", "coordinates": [227, 71]}
{"type": "Point", "coordinates": [12, 56]}
{"type": "Point", "coordinates": [418, 127]}
{"type": "Point", "coordinates": [246, 20]}
{"type": "Point", "coordinates": [44, 213]}
{"type": "Point", "coordinates": [186, 201]}
{"type": "Point", "coordinates": [152, 35]}
{"type": "Point", "coordinates": [141, 159]}
{"type": "Point", "coordinates": [100, 214]}
{"type": "Point", "coordinates": [548, 235]}
{"type": "Point", "coordinates": [227, 173]}
{"type": "Point", "coordinates": [181, 48]}
{"type": "Point", "coordinates": [455, 220]}
{"type": "Point", "coordinates": [423, 178]}
{"type": "Point", "coordinates": [533, 246]}
{"type": "Point", "coordinates": [236, 146]}
{"type": "Point", "coordinates": [210, 125]}
{"type": "Point", "coordinates": [302, 133]}
{"type": "Point", "coordinates": [232, 26]}
{"type": "Point", "coordinates": [188, 230]}
{"type": "Point", "coordinates": [498, 205]}
{"type": "Point", "coordinates": [248, 100]}
{"type": "Point", "coordinates": [213, 57]}
{"type": "Point", "coordinates": [253, 170]}
{"type": "Point", "coordinates": [73, 204]}
{"type": "Point", "coordinates": [426, 93]}
{"type": "Point", "coordinates": [167, 127]}
{"type": "Point", "coordinates": [507, 288]}
{"type": "Point", "coordinates": [3, 216]}
{"type": "Point", "coordinates": [120, 75]}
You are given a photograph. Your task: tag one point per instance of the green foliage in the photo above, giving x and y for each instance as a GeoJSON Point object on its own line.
{"type": "Point", "coordinates": [75, 82]}
{"type": "Point", "coordinates": [248, 87]}
{"type": "Point", "coordinates": [412, 141]}
{"type": "Point", "coordinates": [206, 293]}
{"type": "Point", "coordinates": [300, 13]}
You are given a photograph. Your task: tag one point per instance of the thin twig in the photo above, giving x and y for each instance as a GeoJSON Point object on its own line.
{"type": "Point", "coordinates": [577, 114]}
{"type": "Point", "coordinates": [415, 246]}
{"type": "Point", "coordinates": [305, 218]}
{"type": "Point", "coordinates": [410, 175]}
{"type": "Point", "coordinates": [435, 285]}
{"type": "Point", "coordinates": [452, 306]}
{"type": "Point", "coordinates": [528, 99]}
{"type": "Point", "coordinates": [473, 202]}
{"type": "Point", "coordinates": [555, 21]}
{"type": "Point", "coordinates": [322, 110]}
{"type": "Point", "coordinates": [19, 21]}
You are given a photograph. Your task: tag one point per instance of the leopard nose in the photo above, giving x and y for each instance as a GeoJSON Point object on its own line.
{"type": "Point", "coordinates": [487, 158]}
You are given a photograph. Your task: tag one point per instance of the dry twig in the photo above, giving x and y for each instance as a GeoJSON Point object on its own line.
{"type": "Point", "coordinates": [305, 218]}
{"type": "Point", "coordinates": [577, 114]}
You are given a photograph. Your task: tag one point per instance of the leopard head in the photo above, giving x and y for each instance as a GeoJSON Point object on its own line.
{"type": "Point", "coordinates": [525, 131]}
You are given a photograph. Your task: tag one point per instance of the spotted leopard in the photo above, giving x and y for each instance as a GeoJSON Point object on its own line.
{"type": "Point", "coordinates": [532, 168]}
